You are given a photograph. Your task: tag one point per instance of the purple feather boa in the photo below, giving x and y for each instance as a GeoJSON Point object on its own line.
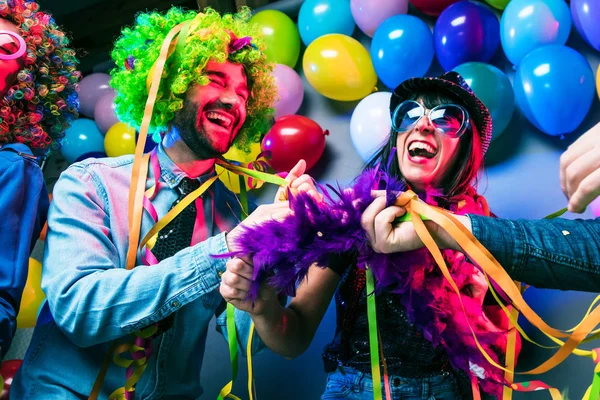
{"type": "Point", "coordinates": [284, 251]}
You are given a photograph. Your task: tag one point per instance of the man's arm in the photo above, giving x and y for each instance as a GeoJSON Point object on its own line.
{"type": "Point", "coordinates": [92, 297]}
{"type": "Point", "coordinates": [22, 185]}
{"type": "Point", "coordinates": [554, 254]}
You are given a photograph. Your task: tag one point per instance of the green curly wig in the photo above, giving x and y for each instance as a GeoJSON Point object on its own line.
{"type": "Point", "coordinates": [139, 46]}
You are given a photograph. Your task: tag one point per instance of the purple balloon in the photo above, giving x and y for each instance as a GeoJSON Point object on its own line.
{"type": "Point", "coordinates": [369, 14]}
{"type": "Point", "coordinates": [290, 89]}
{"type": "Point", "coordinates": [91, 88]}
{"type": "Point", "coordinates": [586, 15]}
{"type": "Point", "coordinates": [104, 111]}
{"type": "Point", "coordinates": [466, 31]}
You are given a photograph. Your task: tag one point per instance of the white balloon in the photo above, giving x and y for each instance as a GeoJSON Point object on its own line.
{"type": "Point", "coordinates": [370, 124]}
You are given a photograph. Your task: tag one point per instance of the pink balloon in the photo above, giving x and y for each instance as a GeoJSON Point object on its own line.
{"type": "Point", "coordinates": [290, 88]}
{"type": "Point", "coordinates": [91, 88]}
{"type": "Point", "coordinates": [104, 111]}
{"type": "Point", "coordinates": [595, 207]}
{"type": "Point", "coordinates": [369, 14]}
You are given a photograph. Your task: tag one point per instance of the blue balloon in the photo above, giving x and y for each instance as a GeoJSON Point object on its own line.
{"type": "Point", "coordinates": [529, 24]}
{"type": "Point", "coordinates": [402, 48]}
{"type": "Point", "coordinates": [554, 88]}
{"type": "Point", "coordinates": [82, 137]}
{"type": "Point", "coordinates": [321, 17]}
{"type": "Point", "coordinates": [466, 31]}
{"type": "Point", "coordinates": [93, 154]}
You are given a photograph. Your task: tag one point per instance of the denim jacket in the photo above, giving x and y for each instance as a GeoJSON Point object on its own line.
{"type": "Point", "coordinates": [93, 300]}
{"type": "Point", "coordinates": [23, 209]}
{"type": "Point", "coordinates": [552, 254]}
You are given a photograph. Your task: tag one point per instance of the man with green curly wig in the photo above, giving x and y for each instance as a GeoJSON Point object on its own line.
{"type": "Point", "coordinates": [38, 99]}
{"type": "Point", "coordinates": [215, 91]}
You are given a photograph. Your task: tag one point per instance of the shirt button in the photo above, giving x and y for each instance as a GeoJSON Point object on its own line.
{"type": "Point", "coordinates": [396, 382]}
{"type": "Point", "coordinates": [220, 273]}
{"type": "Point", "coordinates": [175, 304]}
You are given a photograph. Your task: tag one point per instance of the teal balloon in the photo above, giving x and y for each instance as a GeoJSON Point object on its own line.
{"type": "Point", "coordinates": [321, 17]}
{"type": "Point", "coordinates": [554, 88]}
{"type": "Point", "coordinates": [82, 137]}
{"type": "Point", "coordinates": [494, 89]}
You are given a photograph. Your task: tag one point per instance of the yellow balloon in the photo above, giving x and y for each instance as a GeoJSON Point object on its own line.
{"type": "Point", "coordinates": [119, 140]}
{"type": "Point", "coordinates": [339, 67]}
{"type": "Point", "coordinates": [231, 180]}
{"type": "Point", "coordinates": [33, 296]}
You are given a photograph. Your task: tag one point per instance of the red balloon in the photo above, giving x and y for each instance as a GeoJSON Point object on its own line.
{"type": "Point", "coordinates": [432, 7]}
{"type": "Point", "coordinates": [8, 370]}
{"type": "Point", "coordinates": [293, 138]}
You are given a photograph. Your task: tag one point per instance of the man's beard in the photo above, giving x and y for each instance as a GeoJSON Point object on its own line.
{"type": "Point", "coordinates": [193, 136]}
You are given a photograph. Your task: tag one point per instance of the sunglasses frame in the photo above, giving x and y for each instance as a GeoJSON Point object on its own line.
{"type": "Point", "coordinates": [21, 42]}
{"type": "Point", "coordinates": [463, 128]}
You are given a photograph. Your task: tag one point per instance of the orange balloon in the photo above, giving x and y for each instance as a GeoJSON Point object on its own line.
{"type": "Point", "coordinates": [45, 228]}
{"type": "Point", "coordinates": [33, 296]}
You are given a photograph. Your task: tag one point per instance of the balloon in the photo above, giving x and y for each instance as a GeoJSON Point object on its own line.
{"type": "Point", "coordinates": [45, 227]}
{"type": "Point", "coordinates": [598, 81]}
{"type": "Point", "coordinates": [466, 31]}
{"type": "Point", "coordinates": [432, 7]}
{"type": "Point", "coordinates": [290, 90]}
{"type": "Point", "coordinates": [104, 111]}
{"type": "Point", "coordinates": [402, 48]}
{"type": "Point", "coordinates": [82, 137]}
{"type": "Point", "coordinates": [529, 24]}
{"type": "Point", "coordinates": [494, 89]}
{"type": "Point", "coordinates": [499, 4]}
{"type": "Point", "coordinates": [33, 296]}
{"type": "Point", "coordinates": [8, 371]}
{"type": "Point", "coordinates": [230, 179]}
{"type": "Point", "coordinates": [120, 140]}
{"type": "Point", "coordinates": [292, 138]}
{"type": "Point", "coordinates": [370, 124]}
{"type": "Point", "coordinates": [595, 207]}
{"type": "Point", "coordinates": [554, 87]}
{"type": "Point", "coordinates": [280, 35]}
{"type": "Point", "coordinates": [369, 14]}
{"type": "Point", "coordinates": [321, 17]}
{"type": "Point", "coordinates": [585, 15]}
{"type": "Point", "coordinates": [91, 88]}
{"type": "Point", "coordinates": [149, 145]}
{"type": "Point", "coordinates": [339, 67]}
{"type": "Point", "coordinates": [93, 154]}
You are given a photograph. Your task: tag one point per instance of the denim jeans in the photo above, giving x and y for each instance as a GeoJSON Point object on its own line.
{"type": "Point", "coordinates": [348, 383]}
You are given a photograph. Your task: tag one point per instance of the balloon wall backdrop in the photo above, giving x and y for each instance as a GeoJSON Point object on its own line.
{"type": "Point", "coordinates": [516, 55]}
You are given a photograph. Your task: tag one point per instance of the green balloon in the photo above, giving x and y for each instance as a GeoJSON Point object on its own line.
{"type": "Point", "coordinates": [499, 4]}
{"type": "Point", "coordinates": [494, 89]}
{"type": "Point", "coordinates": [281, 37]}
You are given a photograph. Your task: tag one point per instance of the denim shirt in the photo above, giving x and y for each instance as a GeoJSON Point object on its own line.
{"type": "Point", "coordinates": [93, 300]}
{"type": "Point", "coordinates": [23, 209]}
{"type": "Point", "coordinates": [552, 254]}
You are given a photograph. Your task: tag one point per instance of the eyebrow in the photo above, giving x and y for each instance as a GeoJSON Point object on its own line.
{"type": "Point", "coordinates": [241, 86]}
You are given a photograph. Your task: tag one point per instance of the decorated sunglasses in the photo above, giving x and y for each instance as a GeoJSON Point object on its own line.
{"type": "Point", "coordinates": [12, 45]}
{"type": "Point", "coordinates": [449, 119]}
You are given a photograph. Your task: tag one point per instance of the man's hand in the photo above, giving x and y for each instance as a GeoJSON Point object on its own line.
{"type": "Point", "coordinates": [298, 181]}
{"type": "Point", "coordinates": [580, 170]}
{"type": "Point", "coordinates": [235, 285]}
